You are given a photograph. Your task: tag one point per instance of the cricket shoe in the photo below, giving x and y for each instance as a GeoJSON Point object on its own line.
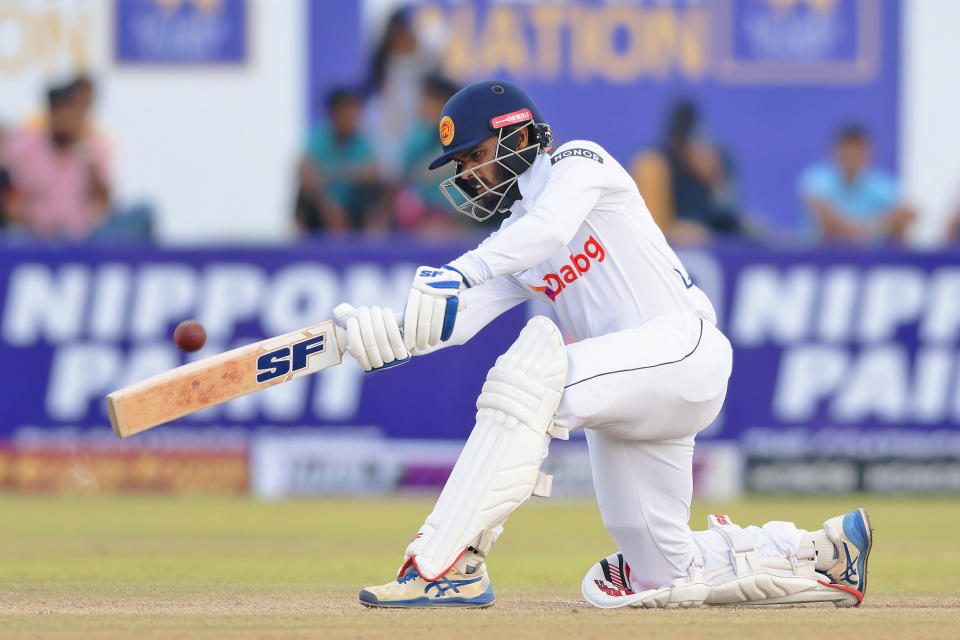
{"type": "Point", "coordinates": [453, 589]}
{"type": "Point", "coordinates": [607, 584]}
{"type": "Point", "coordinates": [852, 536]}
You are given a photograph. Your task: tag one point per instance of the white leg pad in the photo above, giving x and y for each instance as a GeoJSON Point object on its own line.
{"type": "Point", "coordinates": [756, 581]}
{"type": "Point", "coordinates": [499, 467]}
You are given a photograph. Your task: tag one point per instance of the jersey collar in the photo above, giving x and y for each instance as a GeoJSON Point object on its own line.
{"type": "Point", "coordinates": [532, 180]}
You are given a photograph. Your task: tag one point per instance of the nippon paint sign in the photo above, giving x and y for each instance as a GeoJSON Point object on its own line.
{"type": "Point", "coordinates": [76, 324]}
{"type": "Point", "coordinates": [851, 339]}
{"type": "Point", "coordinates": [844, 358]}
{"type": "Point", "coordinates": [846, 369]}
{"type": "Point", "coordinates": [838, 339]}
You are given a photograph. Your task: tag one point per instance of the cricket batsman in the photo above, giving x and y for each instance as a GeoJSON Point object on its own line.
{"type": "Point", "coordinates": [648, 370]}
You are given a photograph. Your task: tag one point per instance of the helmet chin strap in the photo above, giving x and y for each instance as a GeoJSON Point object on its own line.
{"type": "Point", "coordinates": [513, 194]}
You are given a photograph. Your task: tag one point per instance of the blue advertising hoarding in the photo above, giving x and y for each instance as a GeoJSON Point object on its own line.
{"type": "Point", "coordinates": [774, 79]}
{"type": "Point", "coordinates": [845, 354]}
{"type": "Point", "coordinates": [83, 322]}
{"type": "Point", "coordinates": [837, 339]}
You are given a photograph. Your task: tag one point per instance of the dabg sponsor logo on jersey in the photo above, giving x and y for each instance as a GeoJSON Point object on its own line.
{"type": "Point", "coordinates": [580, 263]}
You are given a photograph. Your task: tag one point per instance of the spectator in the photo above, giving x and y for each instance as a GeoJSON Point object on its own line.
{"type": "Point", "coordinates": [6, 191]}
{"type": "Point", "coordinates": [84, 91]}
{"type": "Point", "coordinates": [951, 234]}
{"type": "Point", "coordinates": [60, 177]}
{"type": "Point", "coordinates": [421, 205]}
{"type": "Point", "coordinates": [339, 183]}
{"type": "Point", "coordinates": [848, 200]}
{"type": "Point", "coordinates": [687, 182]}
{"type": "Point", "coordinates": [398, 68]}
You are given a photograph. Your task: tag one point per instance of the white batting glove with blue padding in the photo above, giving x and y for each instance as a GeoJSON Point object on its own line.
{"type": "Point", "coordinates": [371, 335]}
{"type": "Point", "coordinates": [432, 307]}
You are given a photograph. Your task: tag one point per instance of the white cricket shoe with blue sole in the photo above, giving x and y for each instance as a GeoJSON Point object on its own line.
{"type": "Point", "coordinates": [852, 536]}
{"type": "Point", "coordinates": [453, 589]}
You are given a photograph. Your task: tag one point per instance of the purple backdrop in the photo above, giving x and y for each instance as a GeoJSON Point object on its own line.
{"type": "Point", "coordinates": [774, 80]}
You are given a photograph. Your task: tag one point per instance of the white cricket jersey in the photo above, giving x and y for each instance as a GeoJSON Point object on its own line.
{"type": "Point", "coordinates": [583, 240]}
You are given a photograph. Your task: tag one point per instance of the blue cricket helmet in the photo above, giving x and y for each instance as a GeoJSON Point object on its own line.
{"type": "Point", "coordinates": [481, 110]}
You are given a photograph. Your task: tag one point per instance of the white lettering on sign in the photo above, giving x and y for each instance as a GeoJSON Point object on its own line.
{"type": "Point", "coordinates": [875, 386]}
{"type": "Point", "coordinates": [45, 305]}
{"type": "Point", "coordinates": [88, 313]}
{"type": "Point", "coordinates": [770, 305]}
{"type": "Point", "coordinates": [165, 294]}
{"type": "Point", "coordinates": [892, 296]}
{"type": "Point", "coordinates": [80, 373]}
{"type": "Point", "coordinates": [807, 376]}
{"type": "Point", "coordinates": [941, 322]}
{"type": "Point", "coordinates": [109, 304]}
{"type": "Point", "coordinates": [838, 304]}
{"type": "Point", "coordinates": [840, 330]}
{"type": "Point", "coordinates": [231, 294]}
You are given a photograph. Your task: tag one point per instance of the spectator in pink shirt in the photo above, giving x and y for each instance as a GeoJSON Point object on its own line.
{"type": "Point", "coordinates": [60, 176]}
{"type": "Point", "coordinates": [6, 190]}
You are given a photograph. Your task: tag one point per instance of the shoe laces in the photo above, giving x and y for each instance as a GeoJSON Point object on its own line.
{"type": "Point", "coordinates": [413, 575]}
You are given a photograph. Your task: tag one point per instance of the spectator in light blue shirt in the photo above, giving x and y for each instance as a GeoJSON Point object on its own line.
{"type": "Point", "coordinates": [850, 201]}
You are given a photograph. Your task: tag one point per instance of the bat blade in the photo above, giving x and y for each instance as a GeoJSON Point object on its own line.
{"type": "Point", "coordinates": [228, 375]}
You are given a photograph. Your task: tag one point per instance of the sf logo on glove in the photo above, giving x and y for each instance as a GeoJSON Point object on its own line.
{"type": "Point", "coordinates": [432, 306]}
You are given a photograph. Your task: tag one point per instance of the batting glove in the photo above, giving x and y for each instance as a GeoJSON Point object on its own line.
{"type": "Point", "coordinates": [371, 335]}
{"type": "Point", "coordinates": [432, 307]}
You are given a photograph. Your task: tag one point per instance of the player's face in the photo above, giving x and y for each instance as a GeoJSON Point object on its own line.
{"type": "Point", "coordinates": [482, 178]}
{"type": "Point", "coordinates": [491, 174]}
{"type": "Point", "coordinates": [480, 156]}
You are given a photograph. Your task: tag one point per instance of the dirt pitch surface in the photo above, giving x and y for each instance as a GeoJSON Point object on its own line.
{"type": "Point", "coordinates": [206, 567]}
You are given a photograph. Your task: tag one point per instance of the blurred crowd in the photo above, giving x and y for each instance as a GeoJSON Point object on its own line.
{"type": "Point", "coordinates": [56, 173]}
{"type": "Point", "coordinates": [363, 168]}
{"type": "Point", "coordinates": [690, 185]}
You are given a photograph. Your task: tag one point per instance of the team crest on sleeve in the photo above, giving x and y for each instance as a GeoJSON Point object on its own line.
{"type": "Point", "coordinates": [446, 130]}
{"type": "Point", "coordinates": [575, 153]}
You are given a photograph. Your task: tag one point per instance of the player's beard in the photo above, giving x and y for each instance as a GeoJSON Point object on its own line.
{"type": "Point", "coordinates": [488, 195]}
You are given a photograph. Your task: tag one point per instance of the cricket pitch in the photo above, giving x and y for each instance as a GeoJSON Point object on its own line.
{"type": "Point", "coordinates": [212, 567]}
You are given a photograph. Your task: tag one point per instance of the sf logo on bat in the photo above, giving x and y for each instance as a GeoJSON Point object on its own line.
{"type": "Point", "coordinates": [291, 358]}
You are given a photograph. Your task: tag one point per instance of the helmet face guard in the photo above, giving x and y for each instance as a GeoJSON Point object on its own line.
{"type": "Point", "coordinates": [473, 196]}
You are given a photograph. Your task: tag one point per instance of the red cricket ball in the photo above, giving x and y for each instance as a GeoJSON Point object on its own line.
{"type": "Point", "coordinates": [189, 335]}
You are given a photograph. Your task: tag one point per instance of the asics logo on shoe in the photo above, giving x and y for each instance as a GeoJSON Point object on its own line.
{"type": "Point", "coordinates": [850, 573]}
{"type": "Point", "coordinates": [444, 584]}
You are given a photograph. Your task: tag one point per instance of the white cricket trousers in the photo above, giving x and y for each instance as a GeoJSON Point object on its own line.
{"type": "Point", "coordinates": [642, 395]}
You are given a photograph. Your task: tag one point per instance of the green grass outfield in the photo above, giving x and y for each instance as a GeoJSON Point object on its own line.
{"type": "Point", "coordinates": [214, 567]}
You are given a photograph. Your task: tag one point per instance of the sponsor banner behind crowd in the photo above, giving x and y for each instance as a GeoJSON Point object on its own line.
{"type": "Point", "coordinates": [184, 33]}
{"type": "Point", "coordinates": [845, 370]}
{"type": "Point", "coordinates": [773, 79]}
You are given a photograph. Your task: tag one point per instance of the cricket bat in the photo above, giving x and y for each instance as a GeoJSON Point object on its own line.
{"type": "Point", "coordinates": [211, 381]}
